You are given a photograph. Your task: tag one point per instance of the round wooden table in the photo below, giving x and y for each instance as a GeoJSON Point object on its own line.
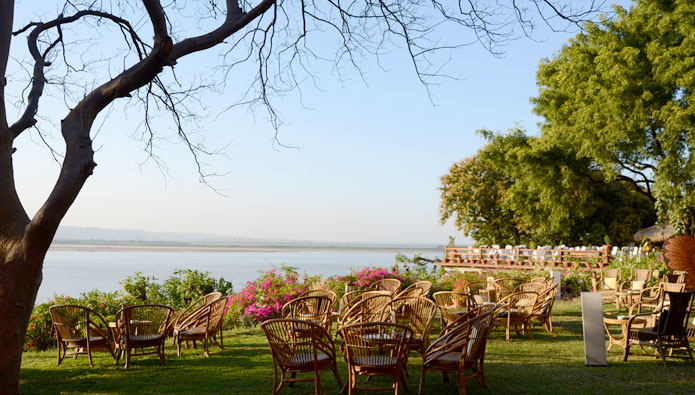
{"type": "Point", "coordinates": [623, 322]}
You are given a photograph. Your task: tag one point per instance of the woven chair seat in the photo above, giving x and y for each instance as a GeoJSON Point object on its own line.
{"type": "Point", "coordinates": [366, 361]}
{"type": "Point", "coordinates": [94, 339]}
{"type": "Point", "coordinates": [307, 359]}
{"type": "Point", "coordinates": [198, 330]}
{"type": "Point", "coordinates": [144, 338]}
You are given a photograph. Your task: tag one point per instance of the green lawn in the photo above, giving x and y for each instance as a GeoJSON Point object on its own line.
{"type": "Point", "coordinates": [544, 364]}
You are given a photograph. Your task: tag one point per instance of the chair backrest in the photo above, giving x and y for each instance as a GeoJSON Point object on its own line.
{"type": "Point", "coordinates": [143, 320]}
{"type": "Point", "coordinates": [531, 287]}
{"type": "Point", "coordinates": [678, 277]}
{"type": "Point", "coordinates": [674, 317]}
{"type": "Point", "coordinates": [308, 308]}
{"type": "Point", "coordinates": [468, 335]}
{"type": "Point", "coordinates": [321, 292]}
{"type": "Point", "coordinates": [409, 292]}
{"type": "Point", "coordinates": [416, 313]}
{"type": "Point", "coordinates": [381, 344]}
{"type": "Point", "coordinates": [545, 301]}
{"type": "Point", "coordinates": [73, 322]}
{"type": "Point", "coordinates": [503, 286]}
{"type": "Point", "coordinates": [217, 310]}
{"type": "Point", "coordinates": [454, 300]}
{"type": "Point", "coordinates": [387, 284]}
{"type": "Point", "coordinates": [369, 309]}
{"type": "Point", "coordinates": [425, 286]}
{"type": "Point", "coordinates": [541, 280]}
{"type": "Point", "coordinates": [296, 341]}
{"type": "Point", "coordinates": [211, 297]}
{"type": "Point", "coordinates": [521, 302]}
{"type": "Point", "coordinates": [641, 275]}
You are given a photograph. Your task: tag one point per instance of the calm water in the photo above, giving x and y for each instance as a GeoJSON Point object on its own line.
{"type": "Point", "coordinates": [73, 272]}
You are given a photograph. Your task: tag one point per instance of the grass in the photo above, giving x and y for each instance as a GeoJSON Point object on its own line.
{"type": "Point", "coordinates": [542, 365]}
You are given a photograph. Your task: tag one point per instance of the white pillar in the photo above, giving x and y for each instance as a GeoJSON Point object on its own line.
{"type": "Point", "coordinates": [592, 325]}
{"type": "Point", "coordinates": [557, 279]}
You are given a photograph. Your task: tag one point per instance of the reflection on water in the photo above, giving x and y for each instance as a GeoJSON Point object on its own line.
{"type": "Point", "coordinates": [73, 272]}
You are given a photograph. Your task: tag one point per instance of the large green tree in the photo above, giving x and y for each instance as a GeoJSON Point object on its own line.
{"type": "Point", "coordinates": [620, 94]}
{"type": "Point", "coordinates": [518, 189]}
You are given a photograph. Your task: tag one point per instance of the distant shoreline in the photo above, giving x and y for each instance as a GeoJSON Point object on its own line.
{"type": "Point", "coordinates": [58, 246]}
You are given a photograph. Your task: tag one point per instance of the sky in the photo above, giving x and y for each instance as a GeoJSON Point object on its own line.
{"type": "Point", "coordinates": [367, 168]}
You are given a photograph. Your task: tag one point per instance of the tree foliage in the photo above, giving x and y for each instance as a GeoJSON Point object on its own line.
{"type": "Point", "coordinates": [620, 94]}
{"type": "Point", "coordinates": [517, 189]}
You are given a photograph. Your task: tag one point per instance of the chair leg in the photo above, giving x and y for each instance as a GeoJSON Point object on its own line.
{"type": "Point", "coordinates": [422, 380]}
{"type": "Point", "coordinates": [293, 375]}
{"type": "Point", "coordinates": [178, 347]}
{"type": "Point", "coordinates": [221, 344]}
{"type": "Point", "coordinates": [317, 382]}
{"type": "Point", "coordinates": [445, 377]}
{"type": "Point", "coordinates": [127, 357]}
{"type": "Point", "coordinates": [627, 351]}
{"type": "Point", "coordinates": [59, 356]}
{"type": "Point", "coordinates": [461, 383]}
{"type": "Point", "coordinates": [205, 346]}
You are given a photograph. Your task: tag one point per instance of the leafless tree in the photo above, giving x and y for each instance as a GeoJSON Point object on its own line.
{"type": "Point", "coordinates": [273, 38]}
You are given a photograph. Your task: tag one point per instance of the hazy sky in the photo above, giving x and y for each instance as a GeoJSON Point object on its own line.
{"type": "Point", "coordinates": [368, 169]}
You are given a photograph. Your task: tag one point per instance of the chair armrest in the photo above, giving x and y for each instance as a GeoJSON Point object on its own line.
{"type": "Point", "coordinates": [632, 318]}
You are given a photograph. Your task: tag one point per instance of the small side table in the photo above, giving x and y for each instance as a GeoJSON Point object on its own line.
{"type": "Point", "coordinates": [622, 321]}
{"type": "Point", "coordinates": [630, 299]}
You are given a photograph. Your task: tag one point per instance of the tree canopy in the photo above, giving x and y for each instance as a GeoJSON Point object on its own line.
{"type": "Point", "coordinates": [619, 96]}
{"type": "Point", "coordinates": [519, 190]}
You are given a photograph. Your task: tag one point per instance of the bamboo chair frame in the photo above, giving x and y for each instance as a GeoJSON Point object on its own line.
{"type": "Point", "coordinates": [203, 326]}
{"type": "Point", "coordinates": [461, 348]}
{"type": "Point", "coordinates": [391, 285]}
{"type": "Point", "coordinates": [81, 329]}
{"type": "Point", "coordinates": [375, 349]}
{"type": "Point", "coordinates": [142, 326]}
{"type": "Point", "coordinates": [298, 347]}
{"type": "Point", "coordinates": [670, 329]}
{"type": "Point", "coordinates": [321, 292]}
{"type": "Point", "coordinates": [452, 305]}
{"type": "Point", "coordinates": [517, 312]}
{"type": "Point", "coordinates": [376, 308]}
{"type": "Point", "coordinates": [191, 313]}
{"type": "Point", "coordinates": [543, 309]}
{"type": "Point", "coordinates": [417, 313]}
{"type": "Point", "coordinates": [409, 292]}
{"type": "Point", "coordinates": [424, 286]}
{"type": "Point", "coordinates": [315, 309]}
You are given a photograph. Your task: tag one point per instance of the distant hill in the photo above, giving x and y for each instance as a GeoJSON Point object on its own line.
{"type": "Point", "coordinates": [92, 235]}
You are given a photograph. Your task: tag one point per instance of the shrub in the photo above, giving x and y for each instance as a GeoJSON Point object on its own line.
{"type": "Point", "coordinates": [185, 286]}
{"type": "Point", "coordinates": [141, 289]}
{"type": "Point", "coordinates": [39, 334]}
{"type": "Point", "coordinates": [263, 298]}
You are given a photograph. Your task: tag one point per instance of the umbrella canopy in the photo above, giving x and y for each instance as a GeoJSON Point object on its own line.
{"type": "Point", "coordinates": [679, 254]}
{"type": "Point", "coordinates": [655, 233]}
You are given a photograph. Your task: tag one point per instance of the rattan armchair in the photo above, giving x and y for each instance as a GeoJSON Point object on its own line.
{"type": "Point", "coordinates": [192, 312]}
{"type": "Point", "coordinates": [81, 329]}
{"type": "Point", "coordinates": [452, 305]}
{"type": "Point", "coordinates": [369, 309]}
{"type": "Point", "coordinates": [315, 309]}
{"type": "Point", "coordinates": [409, 292]}
{"type": "Point", "coordinates": [530, 286]}
{"type": "Point", "coordinates": [461, 348]}
{"type": "Point", "coordinates": [375, 349]}
{"type": "Point", "coordinates": [391, 285]}
{"type": "Point", "coordinates": [416, 313]}
{"type": "Point", "coordinates": [517, 311]}
{"type": "Point", "coordinates": [321, 292]}
{"type": "Point", "coordinates": [203, 326]}
{"type": "Point", "coordinates": [142, 326]}
{"type": "Point", "coordinates": [670, 330]}
{"type": "Point", "coordinates": [543, 309]}
{"type": "Point", "coordinates": [298, 347]}
{"type": "Point", "coordinates": [423, 286]}
{"type": "Point", "coordinates": [503, 287]}
{"type": "Point", "coordinates": [607, 284]}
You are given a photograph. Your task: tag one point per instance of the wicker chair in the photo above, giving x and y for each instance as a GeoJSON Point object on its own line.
{"type": "Point", "coordinates": [670, 330]}
{"type": "Point", "coordinates": [517, 311]}
{"type": "Point", "coordinates": [203, 326]}
{"type": "Point", "coordinates": [541, 280]}
{"type": "Point", "coordinates": [652, 297]}
{"type": "Point", "coordinates": [375, 349]}
{"type": "Point", "coordinates": [192, 312]}
{"type": "Point", "coordinates": [81, 329]}
{"type": "Point", "coordinates": [503, 287]}
{"type": "Point", "coordinates": [543, 309]}
{"type": "Point", "coordinates": [310, 308]}
{"type": "Point", "coordinates": [321, 292]}
{"type": "Point", "coordinates": [423, 286]}
{"type": "Point", "coordinates": [297, 347]}
{"type": "Point", "coordinates": [391, 285]}
{"type": "Point", "coordinates": [369, 309]}
{"type": "Point", "coordinates": [530, 286]}
{"type": "Point", "coordinates": [452, 305]}
{"type": "Point", "coordinates": [410, 292]}
{"type": "Point", "coordinates": [416, 313]}
{"type": "Point", "coordinates": [142, 326]}
{"type": "Point", "coordinates": [607, 284]}
{"type": "Point", "coordinates": [461, 348]}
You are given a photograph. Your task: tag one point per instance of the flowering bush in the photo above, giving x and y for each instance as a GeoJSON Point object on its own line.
{"type": "Point", "coordinates": [368, 275]}
{"type": "Point", "coordinates": [263, 298]}
{"type": "Point", "coordinates": [39, 335]}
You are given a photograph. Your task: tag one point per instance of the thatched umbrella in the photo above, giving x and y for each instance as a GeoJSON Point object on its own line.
{"type": "Point", "coordinates": [655, 233]}
{"type": "Point", "coordinates": [679, 254]}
